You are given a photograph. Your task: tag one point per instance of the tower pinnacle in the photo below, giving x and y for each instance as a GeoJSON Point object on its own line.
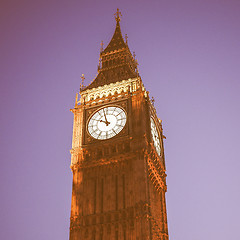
{"type": "Point", "coordinates": [117, 16]}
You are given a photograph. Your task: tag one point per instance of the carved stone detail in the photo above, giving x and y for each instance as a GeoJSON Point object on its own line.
{"type": "Point", "coordinates": [124, 86]}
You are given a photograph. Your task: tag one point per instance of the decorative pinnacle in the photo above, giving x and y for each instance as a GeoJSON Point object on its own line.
{"type": "Point", "coordinates": [76, 100]}
{"type": "Point", "coordinates": [126, 38]}
{"type": "Point", "coordinates": [117, 15]}
{"type": "Point", "coordinates": [101, 49]}
{"type": "Point", "coordinates": [81, 85]}
{"type": "Point", "coordinates": [153, 101]}
{"type": "Point", "coordinates": [83, 78]}
{"type": "Point", "coordinates": [137, 70]}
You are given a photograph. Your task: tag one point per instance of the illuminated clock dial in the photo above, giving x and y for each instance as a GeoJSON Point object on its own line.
{"type": "Point", "coordinates": [155, 137]}
{"type": "Point", "coordinates": [106, 122]}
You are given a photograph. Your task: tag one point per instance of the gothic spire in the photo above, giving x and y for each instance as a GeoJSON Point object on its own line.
{"type": "Point", "coordinates": [116, 61]}
{"type": "Point", "coordinates": [117, 41]}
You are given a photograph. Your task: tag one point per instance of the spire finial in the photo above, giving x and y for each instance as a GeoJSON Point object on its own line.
{"type": "Point", "coordinates": [81, 85]}
{"type": "Point", "coordinates": [101, 49]}
{"type": "Point", "coordinates": [117, 16]}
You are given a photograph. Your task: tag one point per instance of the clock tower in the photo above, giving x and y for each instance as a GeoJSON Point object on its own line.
{"type": "Point", "coordinates": [117, 155]}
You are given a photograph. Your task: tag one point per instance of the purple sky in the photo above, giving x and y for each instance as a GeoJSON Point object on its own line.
{"type": "Point", "coordinates": [189, 56]}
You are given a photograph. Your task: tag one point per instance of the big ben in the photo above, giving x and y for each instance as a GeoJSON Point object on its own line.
{"type": "Point", "coordinates": [117, 155]}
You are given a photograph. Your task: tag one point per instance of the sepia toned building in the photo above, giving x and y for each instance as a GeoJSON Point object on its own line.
{"type": "Point", "coordinates": [117, 155]}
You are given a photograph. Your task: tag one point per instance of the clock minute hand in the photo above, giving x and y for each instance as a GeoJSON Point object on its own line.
{"type": "Point", "coordinates": [105, 118]}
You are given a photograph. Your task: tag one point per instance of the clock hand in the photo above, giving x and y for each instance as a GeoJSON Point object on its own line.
{"type": "Point", "coordinates": [105, 115]}
{"type": "Point", "coordinates": [103, 121]}
{"type": "Point", "coordinates": [107, 123]}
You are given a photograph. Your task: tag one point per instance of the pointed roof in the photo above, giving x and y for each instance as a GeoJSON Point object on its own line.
{"type": "Point", "coordinates": [116, 61]}
{"type": "Point", "coordinates": [117, 41]}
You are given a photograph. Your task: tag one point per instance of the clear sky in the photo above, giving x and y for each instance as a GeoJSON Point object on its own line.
{"type": "Point", "coordinates": [189, 60]}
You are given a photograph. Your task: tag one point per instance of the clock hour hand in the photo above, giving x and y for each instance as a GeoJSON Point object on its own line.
{"type": "Point", "coordinates": [103, 121]}
{"type": "Point", "coordinates": [107, 123]}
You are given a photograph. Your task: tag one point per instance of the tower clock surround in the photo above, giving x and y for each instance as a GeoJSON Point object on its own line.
{"type": "Point", "coordinates": [155, 136]}
{"type": "Point", "coordinates": [106, 122]}
{"type": "Point", "coordinates": [117, 155]}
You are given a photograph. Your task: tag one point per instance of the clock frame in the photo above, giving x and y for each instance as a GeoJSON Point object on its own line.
{"type": "Point", "coordinates": [123, 104]}
{"type": "Point", "coordinates": [156, 136]}
{"type": "Point", "coordinates": [106, 122]}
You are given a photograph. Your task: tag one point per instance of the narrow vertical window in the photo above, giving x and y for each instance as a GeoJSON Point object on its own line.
{"type": "Point", "coordinates": [101, 234]}
{"type": "Point", "coordinates": [162, 208]}
{"type": "Point", "coordinates": [123, 184]}
{"type": "Point", "coordinates": [102, 187]}
{"type": "Point", "coordinates": [116, 182]}
{"type": "Point", "coordinates": [95, 195]}
{"type": "Point", "coordinates": [124, 234]}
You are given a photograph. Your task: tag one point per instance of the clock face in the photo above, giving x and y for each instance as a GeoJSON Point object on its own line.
{"type": "Point", "coordinates": [155, 137]}
{"type": "Point", "coordinates": [107, 122]}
